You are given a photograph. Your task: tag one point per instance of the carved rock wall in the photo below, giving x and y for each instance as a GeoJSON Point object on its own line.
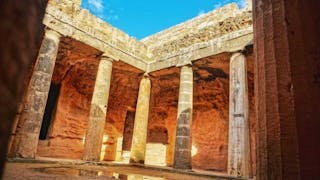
{"type": "Point", "coordinates": [287, 66]}
{"type": "Point", "coordinates": [122, 99]}
{"type": "Point", "coordinates": [21, 33]}
{"type": "Point", "coordinates": [211, 108]}
{"type": "Point", "coordinates": [201, 29]}
{"type": "Point", "coordinates": [75, 70]}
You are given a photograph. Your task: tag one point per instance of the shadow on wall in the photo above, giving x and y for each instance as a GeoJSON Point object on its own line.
{"type": "Point", "coordinates": [20, 33]}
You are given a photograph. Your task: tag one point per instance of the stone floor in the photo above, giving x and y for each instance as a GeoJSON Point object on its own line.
{"type": "Point", "coordinates": [75, 170]}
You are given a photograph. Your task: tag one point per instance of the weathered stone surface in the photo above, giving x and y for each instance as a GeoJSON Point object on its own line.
{"type": "Point", "coordinates": [182, 152]}
{"type": "Point", "coordinates": [285, 33]}
{"type": "Point", "coordinates": [83, 26]}
{"type": "Point", "coordinates": [287, 82]}
{"type": "Point", "coordinates": [26, 140]}
{"type": "Point", "coordinates": [226, 29]}
{"type": "Point", "coordinates": [98, 111]}
{"type": "Point", "coordinates": [163, 111]}
{"type": "Point", "coordinates": [239, 133]}
{"type": "Point", "coordinates": [211, 109]}
{"type": "Point", "coordinates": [156, 154]}
{"type": "Point", "coordinates": [139, 139]}
{"type": "Point", "coordinates": [68, 19]}
{"type": "Point", "coordinates": [76, 71]}
{"type": "Point", "coordinates": [210, 121]}
{"type": "Point", "coordinates": [123, 99]}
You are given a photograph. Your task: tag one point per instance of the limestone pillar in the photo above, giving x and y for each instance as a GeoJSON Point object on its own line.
{"type": "Point", "coordinates": [27, 135]}
{"type": "Point", "coordinates": [239, 143]}
{"type": "Point", "coordinates": [98, 111]}
{"type": "Point", "coordinates": [139, 139]}
{"type": "Point", "coordinates": [183, 143]}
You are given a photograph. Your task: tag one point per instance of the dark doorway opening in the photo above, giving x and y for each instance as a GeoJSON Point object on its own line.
{"type": "Point", "coordinates": [50, 109]}
{"type": "Point", "coordinates": [128, 131]}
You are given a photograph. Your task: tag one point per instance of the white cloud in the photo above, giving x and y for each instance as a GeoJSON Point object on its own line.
{"type": "Point", "coordinates": [97, 4]}
{"type": "Point", "coordinates": [201, 12]}
{"type": "Point", "coordinates": [241, 3]}
{"type": "Point", "coordinates": [218, 5]}
{"type": "Point", "coordinates": [103, 11]}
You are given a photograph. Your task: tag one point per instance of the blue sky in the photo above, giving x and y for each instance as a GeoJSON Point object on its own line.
{"type": "Point", "coordinates": [141, 18]}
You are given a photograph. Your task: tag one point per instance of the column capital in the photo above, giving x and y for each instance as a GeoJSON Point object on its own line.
{"type": "Point", "coordinates": [52, 34]}
{"type": "Point", "coordinates": [105, 56]}
{"type": "Point", "coordinates": [182, 63]}
{"type": "Point", "coordinates": [236, 55]}
{"type": "Point", "coordinates": [146, 75]}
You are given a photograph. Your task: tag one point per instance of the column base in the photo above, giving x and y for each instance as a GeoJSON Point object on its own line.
{"type": "Point", "coordinates": [182, 160]}
{"type": "Point", "coordinates": [136, 162]}
{"type": "Point", "coordinates": [24, 146]}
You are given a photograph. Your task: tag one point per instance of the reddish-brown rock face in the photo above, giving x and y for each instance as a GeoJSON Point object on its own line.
{"type": "Point", "coordinates": [210, 114]}
{"type": "Point", "coordinates": [210, 119]}
{"type": "Point", "coordinates": [163, 109]}
{"type": "Point", "coordinates": [76, 70]}
{"type": "Point", "coordinates": [21, 33]}
{"type": "Point", "coordinates": [122, 99]}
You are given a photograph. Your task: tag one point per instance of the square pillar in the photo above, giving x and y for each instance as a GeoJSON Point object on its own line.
{"type": "Point", "coordinates": [239, 139]}
{"type": "Point", "coordinates": [25, 143]}
{"type": "Point", "coordinates": [183, 143]}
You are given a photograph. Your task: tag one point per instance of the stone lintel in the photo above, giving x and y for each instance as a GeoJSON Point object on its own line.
{"type": "Point", "coordinates": [118, 46]}
{"type": "Point", "coordinates": [68, 26]}
{"type": "Point", "coordinates": [184, 62]}
{"type": "Point", "coordinates": [232, 42]}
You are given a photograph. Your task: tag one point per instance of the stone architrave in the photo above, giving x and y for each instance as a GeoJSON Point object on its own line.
{"type": "Point", "coordinates": [139, 139]}
{"type": "Point", "coordinates": [27, 136]}
{"type": "Point", "coordinates": [183, 143]}
{"type": "Point", "coordinates": [239, 142]}
{"type": "Point", "coordinates": [98, 111]}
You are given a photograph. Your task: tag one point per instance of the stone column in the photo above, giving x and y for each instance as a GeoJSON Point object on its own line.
{"type": "Point", "coordinates": [98, 111]}
{"type": "Point", "coordinates": [239, 143]}
{"type": "Point", "coordinates": [183, 143]}
{"type": "Point", "coordinates": [27, 136]}
{"type": "Point", "coordinates": [139, 139]}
